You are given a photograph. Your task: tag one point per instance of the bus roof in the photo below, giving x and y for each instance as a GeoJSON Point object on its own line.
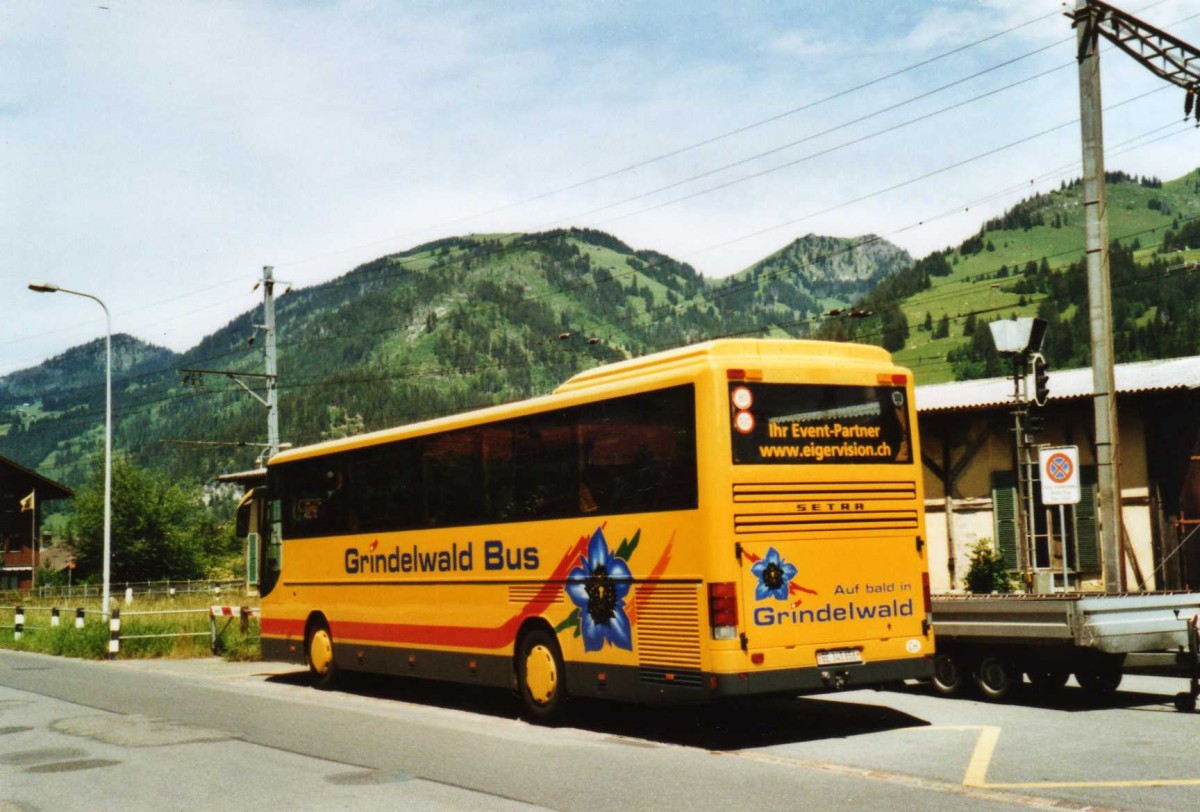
{"type": "Point", "coordinates": [727, 351]}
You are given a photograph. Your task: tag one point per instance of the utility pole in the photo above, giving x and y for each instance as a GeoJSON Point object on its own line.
{"type": "Point", "coordinates": [1167, 57]}
{"type": "Point", "coordinates": [1095, 210]}
{"type": "Point", "coordinates": [195, 377]}
{"type": "Point", "coordinates": [268, 283]}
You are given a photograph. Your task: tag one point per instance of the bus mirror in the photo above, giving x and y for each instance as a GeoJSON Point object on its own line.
{"type": "Point", "coordinates": [243, 519]}
{"type": "Point", "coordinates": [252, 540]}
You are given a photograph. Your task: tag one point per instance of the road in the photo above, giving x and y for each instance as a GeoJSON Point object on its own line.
{"type": "Point", "coordinates": [210, 735]}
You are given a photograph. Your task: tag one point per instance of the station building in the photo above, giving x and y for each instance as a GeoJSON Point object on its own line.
{"type": "Point", "coordinates": [969, 455]}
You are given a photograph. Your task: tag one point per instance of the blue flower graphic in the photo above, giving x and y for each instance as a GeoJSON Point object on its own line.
{"type": "Point", "coordinates": [773, 574]}
{"type": "Point", "coordinates": [598, 586]}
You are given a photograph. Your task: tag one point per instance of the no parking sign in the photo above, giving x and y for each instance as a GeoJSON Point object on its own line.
{"type": "Point", "coordinates": [1060, 475]}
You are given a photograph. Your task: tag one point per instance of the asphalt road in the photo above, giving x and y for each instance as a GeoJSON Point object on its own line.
{"type": "Point", "coordinates": [209, 735]}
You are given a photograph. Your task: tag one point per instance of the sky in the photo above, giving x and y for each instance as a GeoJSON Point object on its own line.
{"type": "Point", "coordinates": [158, 155]}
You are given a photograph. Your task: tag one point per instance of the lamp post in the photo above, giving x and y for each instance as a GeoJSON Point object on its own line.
{"type": "Point", "coordinates": [1020, 339]}
{"type": "Point", "coordinates": [47, 287]}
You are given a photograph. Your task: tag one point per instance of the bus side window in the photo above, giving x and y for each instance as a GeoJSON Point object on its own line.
{"type": "Point", "coordinates": [451, 475]}
{"type": "Point", "coordinates": [546, 467]}
{"type": "Point", "coordinates": [641, 452]}
{"type": "Point", "coordinates": [498, 474]}
{"type": "Point", "coordinates": [384, 489]}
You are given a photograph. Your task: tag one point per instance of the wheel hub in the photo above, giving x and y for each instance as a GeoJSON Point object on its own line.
{"type": "Point", "coordinates": [320, 651]}
{"type": "Point", "coordinates": [541, 674]}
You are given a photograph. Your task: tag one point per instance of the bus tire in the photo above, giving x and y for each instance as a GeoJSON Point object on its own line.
{"type": "Point", "coordinates": [541, 677]}
{"type": "Point", "coordinates": [997, 679]}
{"type": "Point", "coordinates": [319, 650]}
{"type": "Point", "coordinates": [948, 675]}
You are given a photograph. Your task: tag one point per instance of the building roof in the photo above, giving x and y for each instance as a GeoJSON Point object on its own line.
{"type": "Point", "coordinates": [47, 489]}
{"type": "Point", "coordinates": [247, 479]}
{"type": "Point", "coordinates": [1142, 376]}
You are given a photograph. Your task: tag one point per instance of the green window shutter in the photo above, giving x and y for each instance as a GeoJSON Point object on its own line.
{"type": "Point", "coordinates": [1088, 541]}
{"type": "Point", "coordinates": [1004, 516]}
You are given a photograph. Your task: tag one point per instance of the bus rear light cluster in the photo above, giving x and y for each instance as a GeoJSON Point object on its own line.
{"type": "Point", "coordinates": [723, 610]}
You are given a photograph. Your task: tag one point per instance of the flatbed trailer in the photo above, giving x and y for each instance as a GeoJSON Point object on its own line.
{"type": "Point", "coordinates": [991, 641]}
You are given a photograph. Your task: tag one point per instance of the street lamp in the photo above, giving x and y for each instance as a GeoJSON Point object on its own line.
{"type": "Point", "coordinates": [47, 287]}
{"type": "Point", "coordinates": [1018, 337]}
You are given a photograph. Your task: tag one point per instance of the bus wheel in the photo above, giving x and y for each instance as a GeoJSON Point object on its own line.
{"type": "Point", "coordinates": [540, 677]}
{"type": "Point", "coordinates": [997, 679]}
{"type": "Point", "coordinates": [948, 677]}
{"type": "Point", "coordinates": [321, 669]}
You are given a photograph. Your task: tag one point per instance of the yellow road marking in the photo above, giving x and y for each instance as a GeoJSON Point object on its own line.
{"type": "Point", "coordinates": [985, 749]}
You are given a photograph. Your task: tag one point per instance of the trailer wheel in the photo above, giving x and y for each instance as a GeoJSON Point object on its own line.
{"type": "Point", "coordinates": [948, 676]}
{"type": "Point", "coordinates": [1099, 678]}
{"type": "Point", "coordinates": [997, 678]}
{"type": "Point", "coordinates": [1048, 680]}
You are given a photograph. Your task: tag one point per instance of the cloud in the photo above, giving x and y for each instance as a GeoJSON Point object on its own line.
{"type": "Point", "coordinates": [811, 44]}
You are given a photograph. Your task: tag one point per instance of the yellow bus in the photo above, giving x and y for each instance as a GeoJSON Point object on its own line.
{"type": "Point", "coordinates": [731, 518]}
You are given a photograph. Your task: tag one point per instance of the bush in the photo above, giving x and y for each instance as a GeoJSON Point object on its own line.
{"type": "Point", "coordinates": [987, 572]}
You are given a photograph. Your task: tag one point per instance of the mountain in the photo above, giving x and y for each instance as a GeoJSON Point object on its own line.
{"type": "Point", "coordinates": [52, 416]}
{"type": "Point", "coordinates": [833, 268]}
{"type": "Point", "coordinates": [443, 327]}
{"type": "Point", "coordinates": [79, 368]}
{"type": "Point", "coordinates": [480, 319]}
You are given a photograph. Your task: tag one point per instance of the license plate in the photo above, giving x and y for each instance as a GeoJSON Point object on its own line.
{"type": "Point", "coordinates": [839, 656]}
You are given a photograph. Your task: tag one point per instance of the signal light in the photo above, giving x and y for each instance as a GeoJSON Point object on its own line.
{"type": "Point", "coordinates": [723, 610]}
{"type": "Point", "coordinates": [1041, 379]}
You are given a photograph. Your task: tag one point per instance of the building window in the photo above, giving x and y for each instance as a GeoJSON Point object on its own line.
{"type": "Point", "coordinates": [1083, 552]}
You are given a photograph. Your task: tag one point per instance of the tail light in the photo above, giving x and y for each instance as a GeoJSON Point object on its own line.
{"type": "Point", "coordinates": [723, 610]}
{"type": "Point", "coordinates": [925, 593]}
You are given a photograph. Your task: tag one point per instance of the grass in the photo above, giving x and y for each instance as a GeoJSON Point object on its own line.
{"type": "Point", "coordinates": [145, 626]}
{"type": "Point", "coordinates": [973, 286]}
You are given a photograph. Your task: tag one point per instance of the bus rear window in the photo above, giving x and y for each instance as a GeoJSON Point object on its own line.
{"type": "Point", "coordinates": [819, 424]}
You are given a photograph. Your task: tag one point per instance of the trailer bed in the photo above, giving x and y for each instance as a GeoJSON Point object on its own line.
{"type": "Point", "coordinates": [1114, 624]}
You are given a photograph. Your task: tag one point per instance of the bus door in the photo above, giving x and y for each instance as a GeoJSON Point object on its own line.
{"type": "Point", "coordinates": [261, 538]}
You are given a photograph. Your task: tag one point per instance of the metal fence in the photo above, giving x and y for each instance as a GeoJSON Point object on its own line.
{"type": "Point", "coordinates": [33, 619]}
{"type": "Point", "coordinates": [235, 587]}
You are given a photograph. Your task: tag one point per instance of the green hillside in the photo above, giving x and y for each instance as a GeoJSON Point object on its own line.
{"type": "Point", "coordinates": [446, 326]}
{"type": "Point", "coordinates": [1028, 262]}
{"type": "Point", "coordinates": [474, 320]}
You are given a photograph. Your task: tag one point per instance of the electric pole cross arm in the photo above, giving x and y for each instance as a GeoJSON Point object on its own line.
{"type": "Point", "coordinates": [1167, 56]}
{"type": "Point", "coordinates": [195, 377]}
